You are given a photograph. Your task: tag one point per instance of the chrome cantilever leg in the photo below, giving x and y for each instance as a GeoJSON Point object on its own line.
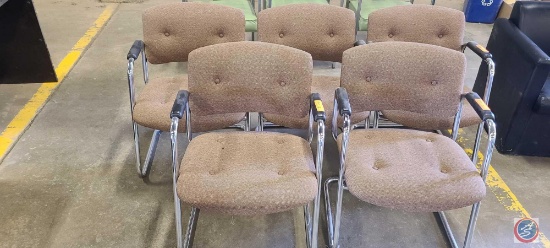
{"type": "Point", "coordinates": [338, 215]}
{"type": "Point", "coordinates": [475, 208]}
{"type": "Point", "coordinates": [142, 170]}
{"type": "Point", "coordinates": [191, 227]}
{"type": "Point", "coordinates": [486, 96]}
{"type": "Point", "coordinates": [328, 210]}
{"type": "Point", "coordinates": [175, 174]}
{"type": "Point", "coordinates": [319, 172]}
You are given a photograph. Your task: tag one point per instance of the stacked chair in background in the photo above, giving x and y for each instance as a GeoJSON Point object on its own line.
{"type": "Point", "coordinates": [170, 33]}
{"type": "Point", "coordinates": [363, 9]}
{"type": "Point", "coordinates": [411, 71]}
{"type": "Point", "coordinates": [438, 26]}
{"type": "Point", "coordinates": [331, 31]}
{"type": "Point", "coordinates": [249, 8]}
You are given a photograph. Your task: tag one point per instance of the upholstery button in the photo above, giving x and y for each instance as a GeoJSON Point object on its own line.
{"type": "Point", "coordinates": [434, 82]}
{"type": "Point", "coordinates": [331, 34]}
{"type": "Point", "coordinates": [443, 171]}
{"type": "Point", "coordinates": [221, 35]}
{"type": "Point", "coordinates": [217, 81]}
{"type": "Point", "coordinates": [281, 35]}
{"type": "Point", "coordinates": [282, 83]}
{"type": "Point", "coordinates": [166, 34]}
{"type": "Point", "coordinates": [281, 173]}
{"type": "Point", "coordinates": [281, 141]}
{"type": "Point", "coordinates": [440, 36]}
{"type": "Point", "coordinates": [429, 140]}
{"type": "Point", "coordinates": [368, 79]}
{"type": "Point", "coordinates": [390, 35]}
{"type": "Point", "coordinates": [211, 172]}
{"type": "Point", "coordinates": [375, 167]}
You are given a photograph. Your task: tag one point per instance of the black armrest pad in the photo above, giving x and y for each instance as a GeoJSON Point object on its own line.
{"type": "Point", "coordinates": [317, 107]}
{"type": "Point", "coordinates": [179, 104]}
{"type": "Point", "coordinates": [543, 101]}
{"type": "Point", "coordinates": [135, 50]}
{"type": "Point", "coordinates": [342, 99]}
{"type": "Point", "coordinates": [359, 43]}
{"type": "Point", "coordinates": [480, 50]}
{"type": "Point", "coordinates": [482, 110]}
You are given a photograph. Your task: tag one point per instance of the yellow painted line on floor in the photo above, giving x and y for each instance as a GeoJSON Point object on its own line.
{"type": "Point", "coordinates": [501, 190]}
{"type": "Point", "coordinates": [26, 115]}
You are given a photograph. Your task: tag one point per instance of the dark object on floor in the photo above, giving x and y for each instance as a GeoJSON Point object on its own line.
{"type": "Point", "coordinates": [521, 88]}
{"type": "Point", "coordinates": [24, 56]}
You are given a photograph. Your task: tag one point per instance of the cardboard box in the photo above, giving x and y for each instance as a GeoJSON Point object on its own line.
{"type": "Point", "coordinates": [506, 9]}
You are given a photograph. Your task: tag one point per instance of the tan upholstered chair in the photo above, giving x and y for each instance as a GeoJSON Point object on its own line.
{"type": "Point", "coordinates": [248, 173]}
{"type": "Point", "coordinates": [406, 169]}
{"type": "Point", "coordinates": [171, 32]}
{"type": "Point", "coordinates": [427, 24]}
{"type": "Point", "coordinates": [325, 31]}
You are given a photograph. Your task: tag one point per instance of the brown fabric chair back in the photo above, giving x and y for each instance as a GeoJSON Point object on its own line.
{"type": "Point", "coordinates": [325, 31]}
{"type": "Point", "coordinates": [172, 31]}
{"type": "Point", "coordinates": [420, 23]}
{"type": "Point", "coordinates": [408, 76]}
{"type": "Point", "coordinates": [250, 77]}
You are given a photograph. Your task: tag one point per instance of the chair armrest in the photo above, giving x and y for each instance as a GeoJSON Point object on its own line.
{"type": "Point", "coordinates": [359, 43]}
{"type": "Point", "coordinates": [342, 99]}
{"type": "Point", "coordinates": [481, 108]}
{"type": "Point", "coordinates": [179, 104]}
{"type": "Point", "coordinates": [317, 108]}
{"type": "Point", "coordinates": [480, 50]}
{"type": "Point", "coordinates": [135, 50]}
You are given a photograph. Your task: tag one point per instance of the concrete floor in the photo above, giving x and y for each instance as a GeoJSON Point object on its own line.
{"type": "Point", "coordinates": [70, 180]}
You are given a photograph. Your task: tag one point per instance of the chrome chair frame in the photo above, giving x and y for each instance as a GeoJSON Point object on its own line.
{"type": "Point", "coordinates": [311, 221]}
{"type": "Point", "coordinates": [333, 225]}
{"type": "Point", "coordinates": [144, 167]}
{"type": "Point", "coordinates": [142, 170]}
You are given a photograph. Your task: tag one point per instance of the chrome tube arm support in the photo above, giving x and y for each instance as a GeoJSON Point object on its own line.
{"type": "Point", "coordinates": [319, 172]}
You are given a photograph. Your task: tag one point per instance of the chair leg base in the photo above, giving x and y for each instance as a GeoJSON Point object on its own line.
{"type": "Point", "coordinates": [143, 168]}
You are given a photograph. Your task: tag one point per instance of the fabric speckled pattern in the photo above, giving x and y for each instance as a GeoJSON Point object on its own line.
{"type": "Point", "coordinates": [410, 170]}
{"type": "Point", "coordinates": [171, 31]}
{"type": "Point", "coordinates": [325, 31]}
{"type": "Point", "coordinates": [154, 103]}
{"type": "Point", "coordinates": [427, 122]}
{"type": "Point", "coordinates": [415, 77]}
{"type": "Point", "coordinates": [250, 77]}
{"type": "Point", "coordinates": [420, 23]}
{"type": "Point", "coordinates": [247, 173]}
{"type": "Point", "coordinates": [325, 86]}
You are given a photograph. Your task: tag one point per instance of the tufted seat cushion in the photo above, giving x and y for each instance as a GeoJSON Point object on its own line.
{"type": "Point", "coordinates": [325, 31]}
{"type": "Point", "coordinates": [154, 103]}
{"type": "Point", "coordinates": [428, 122]}
{"type": "Point", "coordinates": [420, 23]}
{"type": "Point", "coordinates": [410, 170]}
{"type": "Point", "coordinates": [370, 6]}
{"type": "Point", "coordinates": [325, 86]}
{"type": "Point", "coordinates": [247, 173]}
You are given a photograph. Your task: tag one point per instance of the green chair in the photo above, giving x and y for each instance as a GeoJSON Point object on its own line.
{"type": "Point", "coordinates": [363, 8]}
{"type": "Point", "coordinates": [247, 6]}
{"type": "Point", "coordinates": [275, 3]}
